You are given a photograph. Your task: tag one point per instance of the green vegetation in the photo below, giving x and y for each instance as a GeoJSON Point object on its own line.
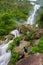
{"type": "Point", "coordinates": [40, 17]}
{"type": "Point", "coordinates": [18, 9]}
{"type": "Point", "coordinates": [6, 24]}
{"type": "Point", "coordinates": [40, 45]}
{"type": "Point", "coordinates": [34, 49]}
{"type": "Point", "coordinates": [14, 54]}
{"type": "Point", "coordinates": [12, 11]}
{"type": "Point", "coordinates": [38, 48]}
{"type": "Point", "coordinates": [30, 48]}
{"type": "Point", "coordinates": [24, 29]}
{"type": "Point", "coordinates": [29, 36]}
{"type": "Point", "coordinates": [14, 58]}
{"type": "Point", "coordinates": [16, 42]}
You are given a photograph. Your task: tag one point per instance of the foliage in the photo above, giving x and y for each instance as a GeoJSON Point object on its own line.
{"type": "Point", "coordinates": [40, 17]}
{"type": "Point", "coordinates": [15, 43]}
{"type": "Point", "coordinates": [32, 42]}
{"type": "Point", "coordinates": [18, 9]}
{"type": "Point", "coordinates": [40, 45]}
{"type": "Point", "coordinates": [14, 55]}
{"type": "Point", "coordinates": [24, 29]}
{"type": "Point", "coordinates": [14, 58]}
{"type": "Point", "coordinates": [2, 38]}
{"type": "Point", "coordinates": [29, 36]}
{"type": "Point", "coordinates": [38, 48]}
{"type": "Point", "coordinates": [34, 49]}
{"type": "Point", "coordinates": [10, 47]}
{"type": "Point", "coordinates": [6, 24]}
{"type": "Point", "coordinates": [17, 40]}
{"type": "Point", "coordinates": [12, 11]}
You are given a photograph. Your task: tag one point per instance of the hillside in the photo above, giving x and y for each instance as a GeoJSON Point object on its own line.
{"type": "Point", "coordinates": [12, 11]}
{"type": "Point", "coordinates": [18, 9]}
{"type": "Point", "coordinates": [21, 32]}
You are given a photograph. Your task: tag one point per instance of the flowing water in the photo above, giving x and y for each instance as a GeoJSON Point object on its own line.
{"type": "Point", "coordinates": [31, 18]}
{"type": "Point", "coordinates": [4, 55]}
{"type": "Point", "coordinates": [15, 33]}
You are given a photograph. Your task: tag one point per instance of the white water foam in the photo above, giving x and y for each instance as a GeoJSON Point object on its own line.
{"type": "Point", "coordinates": [31, 18]}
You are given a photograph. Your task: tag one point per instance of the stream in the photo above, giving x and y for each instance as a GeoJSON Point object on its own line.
{"type": "Point", "coordinates": [4, 55]}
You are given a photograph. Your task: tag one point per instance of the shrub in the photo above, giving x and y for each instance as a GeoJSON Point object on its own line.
{"type": "Point", "coordinates": [24, 29]}
{"type": "Point", "coordinates": [34, 49]}
{"type": "Point", "coordinates": [11, 45]}
{"type": "Point", "coordinates": [38, 48]}
{"type": "Point", "coordinates": [14, 58]}
{"type": "Point", "coordinates": [6, 24]}
{"type": "Point", "coordinates": [29, 36]}
{"type": "Point", "coordinates": [40, 45]}
{"type": "Point", "coordinates": [40, 17]}
{"type": "Point", "coordinates": [16, 42]}
{"type": "Point", "coordinates": [31, 42]}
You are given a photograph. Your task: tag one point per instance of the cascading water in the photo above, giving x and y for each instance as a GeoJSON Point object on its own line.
{"type": "Point", "coordinates": [5, 56]}
{"type": "Point", "coordinates": [31, 18]}
{"type": "Point", "coordinates": [15, 33]}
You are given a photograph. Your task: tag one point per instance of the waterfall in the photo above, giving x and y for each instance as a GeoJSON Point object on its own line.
{"type": "Point", "coordinates": [4, 55]}
{"type": "Point", "coordinates": [15, 33]}
{"type": "Point", "coordinates": [31, 18]}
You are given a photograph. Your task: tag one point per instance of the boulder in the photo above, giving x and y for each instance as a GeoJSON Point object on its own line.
{"type": "Point", "coordinates": [34, 59]}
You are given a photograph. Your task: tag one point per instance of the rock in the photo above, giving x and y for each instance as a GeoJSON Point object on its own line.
{"type": "Point", "coordinates": [1, 42]}
{"type": "Point", "coordinates": [21, 46]}
{"type": "Point", "coordinates": [34, 59]}
{"type": "Point", "coordinates": [15, 33]}
{"type": "Point", "coordinates": [21, 55]}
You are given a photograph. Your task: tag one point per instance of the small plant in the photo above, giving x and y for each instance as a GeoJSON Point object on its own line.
{"type": "Point", "coordinates": [29, 36]}
{"type": "Point", "coordinates": [14, 58]}
{"type": "Point", "coordinates": [31, 42]}
{"type": "Point", "coordinates": [34, 49]}
{"type": "Point", "coordinates": [38, 48]}
{"type": "Point", "coordinates": [11, 45]}
{"type": "Point", "coordinates": [17, 40]}
{"type": "Point", "coordinates": [40, 45]}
